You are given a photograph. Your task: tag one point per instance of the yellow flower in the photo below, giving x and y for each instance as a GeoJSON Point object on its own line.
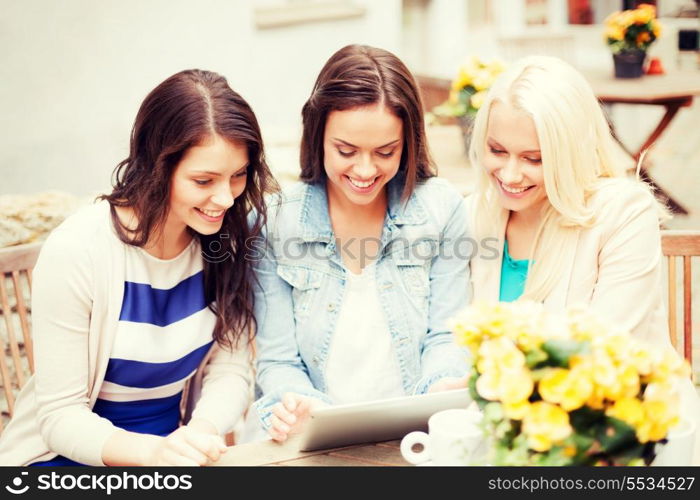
{"type": "Point", "coordinates": [629, 410]}
{"type": "Point", "coordinates": [605, 375]}
{"type": "Point", "coordinates": [516, 386]}
{"type": "Point", "coordinates": [661, 406]}
{"type": "Point", "coordinates": [477, 73]}
{"type": "Point", "coordinates": [478, 99]}
{"type": "Point", "coordinates": [544, 425]}
{"type": "Point", "coordinates": [526, 327]}
{"type": "Point", "coordinates": [597, 399]}
{"type": "Point", "coordinates": [613, 345]}
{"type": "Point", "coordinates": [487, 385]}
{"type": "Point", "coordinates": [463, 79]}
{"type": "Point", "coordinates": [516, 411]}
{"type": "Point", "coordinates": [647, 7]}
{"type": "Point", "coordinates": [627, 18]}
{"type": "Point", "coordinates": [659, 418]}
{"type": "Point", "coordinates": [669, 364]}
{"type": "Point", "coordinates": [552, 385]}
{"type": "Point", "coordinates": [499, 354]}
{"type": "Point", "coordinates": [503, 376]}
{"type": "Point", "coordinates": [480, 321]}
{"type": "Point", "coordinates": [465, 75]}
{"type": "Point", "coordinates": [467, 335]}
{"type": "Point", "coordinates": [483, 80]}
{"type": "Point", "coordinates": [643, 15]}
{"type": "Point", "coordinates": [641, 358]}
{"type": "Point", "coordinates": [629, 381]}
{"type": "Point", "coordinates": [568, 388]}
{"type": "Point", "coordinates": [614, 33]}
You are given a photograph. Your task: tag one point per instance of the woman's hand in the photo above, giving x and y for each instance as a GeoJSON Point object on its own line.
{"type": "Point", "coordinates": [188, 446]}
{"type": "Point", "coordinates": [448, 384]}
{"type": "Point", "coordinates": [291, 414]}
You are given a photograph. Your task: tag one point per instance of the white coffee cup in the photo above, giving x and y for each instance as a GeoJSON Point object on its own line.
{"type": "Point", "coordinates": [454, 437]}
{"type": "Point", "coordinates": [678, 451]}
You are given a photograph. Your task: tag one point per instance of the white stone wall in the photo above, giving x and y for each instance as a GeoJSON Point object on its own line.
{"type": "Point", "coordinates": [74, 72]}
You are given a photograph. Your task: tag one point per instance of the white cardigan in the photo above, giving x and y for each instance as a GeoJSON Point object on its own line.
{"type": "Point", "coordinates": [76, 300]}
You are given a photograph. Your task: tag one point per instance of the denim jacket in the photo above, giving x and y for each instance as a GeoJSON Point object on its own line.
{"type": "Point", "coordinates": [421, 279]}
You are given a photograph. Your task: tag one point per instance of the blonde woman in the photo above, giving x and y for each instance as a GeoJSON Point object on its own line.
{"type": "Point", "coordinates": [569, 226]}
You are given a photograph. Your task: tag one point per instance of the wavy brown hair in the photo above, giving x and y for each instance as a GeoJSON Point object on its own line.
{"type": "Point", "coordinates": [181, 112]}
{"type": "Point", "coordinates": [357, 76]}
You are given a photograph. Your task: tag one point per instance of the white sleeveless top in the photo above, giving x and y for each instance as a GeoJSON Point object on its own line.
{"type": "Point", "coordinates": [362, 362]}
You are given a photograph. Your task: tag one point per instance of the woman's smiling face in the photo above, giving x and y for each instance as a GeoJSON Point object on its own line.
{"type": "Point", "coordinates": [361, 152]}
{"type": "Point", "coordinates": [204, 185]}
{"type": "Point", "coordinates": [513, 159]}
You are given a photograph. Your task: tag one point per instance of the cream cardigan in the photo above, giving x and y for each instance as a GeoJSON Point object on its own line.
{"type": "Point", "coordinates": [615, 269]}
{"type": "Point", "coordinates": [76, 299]}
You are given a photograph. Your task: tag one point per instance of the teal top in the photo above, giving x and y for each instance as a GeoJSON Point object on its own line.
{"type": "Point", "coordinates": [513, 276]}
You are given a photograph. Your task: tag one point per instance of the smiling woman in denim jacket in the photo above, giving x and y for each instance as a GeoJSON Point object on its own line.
{"type": "Point", "coordinates": [364, 262]}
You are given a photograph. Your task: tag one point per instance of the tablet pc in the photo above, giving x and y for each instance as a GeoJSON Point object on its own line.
{"type": "Point", "coordinates": [378, 420]}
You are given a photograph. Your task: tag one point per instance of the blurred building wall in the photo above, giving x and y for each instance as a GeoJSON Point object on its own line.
{"type": "Point", "coordinates": [74, 72]}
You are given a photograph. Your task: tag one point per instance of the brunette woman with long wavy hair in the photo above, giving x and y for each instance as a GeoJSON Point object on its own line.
{"type": "Point", "coordinates": [150, 290]}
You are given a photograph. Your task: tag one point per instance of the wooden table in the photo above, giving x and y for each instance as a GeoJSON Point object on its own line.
{"type": "Point", "coordinates": [673, 91]}
{"type": "Point", "coordinates": [271, 453]}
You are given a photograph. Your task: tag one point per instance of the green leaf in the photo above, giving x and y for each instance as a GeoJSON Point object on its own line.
{"type": "Point", "coordinates": [585, 420]}
{"type": "Point", "coordinates": [559, 351]}
{"type": "Point", "coordinates": [467, 92]}
{"type": "Point", "coordinates": [583, 444]}
{"type": "Point", "coordinates": [473, 392]}
{"type": "Point", "coordinates": [516, 454]}
{"type": "Point", "coordinates": [616, 436]}
{"type": "Point", "coordinates": [534, 357]}
{"type": "Point", "coordinates": [449, 109]}
{"type": "Point", "coordinates": [553, 458]}
{"type": "Point", "coordinates": [493, 412]}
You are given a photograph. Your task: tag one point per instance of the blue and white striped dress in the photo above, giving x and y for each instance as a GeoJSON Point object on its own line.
{"type": "Point", "coordinates": [164, 331]}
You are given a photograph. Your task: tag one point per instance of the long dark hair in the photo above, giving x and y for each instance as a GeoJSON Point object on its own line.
{"type": "Point", "coordinates": [359, 75]}
{"type": "Point", "coordinates": [180, 113]}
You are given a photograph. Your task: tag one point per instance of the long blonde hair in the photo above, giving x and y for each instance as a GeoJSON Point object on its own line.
{"type": "Point", "coordinates": [578, 152]}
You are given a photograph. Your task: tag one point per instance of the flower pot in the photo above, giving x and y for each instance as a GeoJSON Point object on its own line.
{"type": "Point", "coordinates": [629, 64]}
{"type": "Point", "coordinates": [466, 123]}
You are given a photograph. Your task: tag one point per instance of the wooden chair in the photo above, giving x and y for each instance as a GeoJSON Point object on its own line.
{"type": "Point", "coordinates": [16, 359]}
{"type": "Point", "coordinates": [677, 245]}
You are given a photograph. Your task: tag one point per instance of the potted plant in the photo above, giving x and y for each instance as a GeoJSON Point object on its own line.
{"type": "Point", "coordinates": [629, 34]}
{"type": "Point", "coordinates": [468, 91]}
{"type": "Point", "coordinates": [567, 389]}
